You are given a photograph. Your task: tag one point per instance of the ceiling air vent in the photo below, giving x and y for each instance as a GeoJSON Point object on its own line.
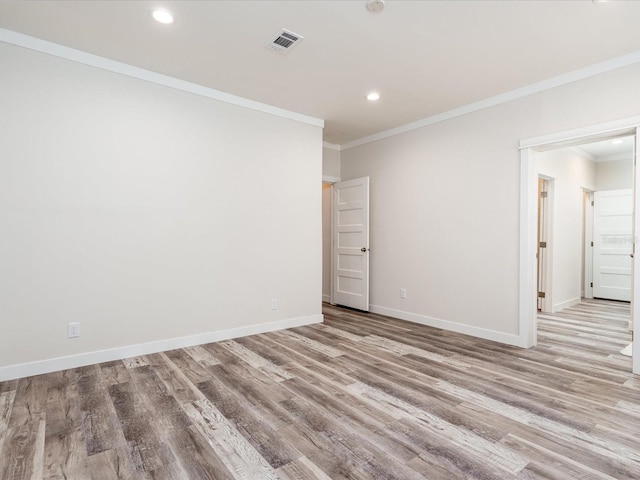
{"type": "Point", "coordinates": [283, 41]}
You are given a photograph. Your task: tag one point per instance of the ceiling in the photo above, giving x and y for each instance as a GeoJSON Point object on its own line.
{"type": "Point", "coordinates": [609, 150]}
{"type": "Point", "coordinates": [424, 57]}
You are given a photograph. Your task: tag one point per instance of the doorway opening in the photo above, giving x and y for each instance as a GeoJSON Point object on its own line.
{"type": "Point", "coordinates": [345, 242]}
{"type": "Point", "coordinates": [532, 152]}
{"type": "Point", "coordinates": [569, 181]}
{"type": "Point", "coordinates": [586, 242]}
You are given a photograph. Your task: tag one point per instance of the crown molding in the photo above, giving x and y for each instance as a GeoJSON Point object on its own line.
{"type": "Point", "coordinates": [330, 179]}
{"type": "Point", "coordinates": [581, 153]}
{"type": "Point", "coordinates": [617, 157]}
{"type": "Point", "coordinates": [78, 56]}
{"type": "Point", "coordinates": [331, 146]}
{"type": "Point", "coordinates": [570, 77]}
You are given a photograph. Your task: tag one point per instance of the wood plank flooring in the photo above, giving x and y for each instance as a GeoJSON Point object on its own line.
{"type": "Point", "coordinates": [361, 396]}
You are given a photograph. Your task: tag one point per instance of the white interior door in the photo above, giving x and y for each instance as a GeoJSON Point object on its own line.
{"type": "Point", "coordinates": [613, 244]}
{"type": "Point", "coordinates": [350, 264]}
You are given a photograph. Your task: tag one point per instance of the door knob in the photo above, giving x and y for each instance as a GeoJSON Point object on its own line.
{"type": "Point", "coordinates": [364, 249]}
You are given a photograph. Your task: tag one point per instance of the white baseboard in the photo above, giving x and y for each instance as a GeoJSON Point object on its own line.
{"type": "Point", "coordinates": [326, 298]}
{"type": "Point", "coordinates": [80, 360]}
{"type": "Point", "coordinates": [569, 303]}
{"type": "Point", "coordinates": [494, 335]}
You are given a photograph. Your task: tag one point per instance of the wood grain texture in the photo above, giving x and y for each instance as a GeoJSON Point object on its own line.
{"type": "Point", "coordinates": [361, 396]}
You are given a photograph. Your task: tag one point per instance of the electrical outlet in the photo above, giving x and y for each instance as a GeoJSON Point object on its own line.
{"type": "Point", "coordinates": [274, 304]}
{"type": "Point", "coordinates": [73, 329]}
{"type": "Point", "coordinates": [403, 293]}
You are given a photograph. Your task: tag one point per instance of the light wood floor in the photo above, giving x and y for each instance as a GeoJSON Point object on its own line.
{"type": "Point", "coordinates": [359, 397]}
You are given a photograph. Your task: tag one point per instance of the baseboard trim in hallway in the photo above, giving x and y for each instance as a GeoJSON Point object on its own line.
{"type": "Point", "coordinates": [484, 333]}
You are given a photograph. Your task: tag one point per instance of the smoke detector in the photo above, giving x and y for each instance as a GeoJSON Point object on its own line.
{"type": "Point", "coordinates": [283, 41]}
{"type": "Point", "coordinates": [375, 6]}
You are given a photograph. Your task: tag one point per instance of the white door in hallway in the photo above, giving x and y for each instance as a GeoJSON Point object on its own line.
{"type": "Point", "coordinates": [350, 263]}
{"type": "Point", "coordinates": [612, 244]}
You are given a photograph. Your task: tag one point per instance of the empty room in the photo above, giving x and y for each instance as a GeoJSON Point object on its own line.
{"type": "Point", "coordinates": [341, 239]}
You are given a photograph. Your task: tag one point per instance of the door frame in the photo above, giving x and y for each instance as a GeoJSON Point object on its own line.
{"type": "Point", "coordinates": [635, 273]}
{"type": "Point", "coordinates": [529, 149]}
{"type": "Point", "coordinates": [587, 247]}
{"type": "Point", "coordinates": [545, 265]}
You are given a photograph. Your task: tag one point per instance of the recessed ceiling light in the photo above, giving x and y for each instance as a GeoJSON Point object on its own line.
{"type": "Point", "coordinates": [375, 6]}
{"type": "Point", "coordinates": [373, 96]}
{"type": "Point", "coordinates": [162, 16]}
{"type": "Point", "coordinates": [617, 141]}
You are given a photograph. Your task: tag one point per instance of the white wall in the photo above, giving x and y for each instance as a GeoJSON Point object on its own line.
{"type": "Point", "coordinates": [146, 213]}
{"type": "Point", "coordinates": [615, 175]}
{"type": "Point", "coordinates": [445, 204]}
{"type": "Point", "coordinates": [330, 162]}
{"type": "Point", "coordinates": [570, 174]}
